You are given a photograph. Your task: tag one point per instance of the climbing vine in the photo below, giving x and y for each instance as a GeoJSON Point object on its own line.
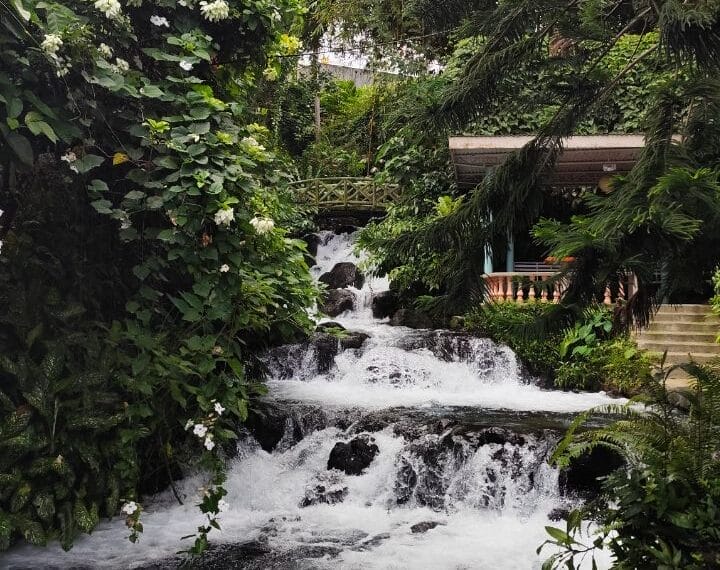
{"type": "Point", "coordinates": [140, 193]}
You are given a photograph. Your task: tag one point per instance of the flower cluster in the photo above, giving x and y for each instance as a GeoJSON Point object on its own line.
{"type": "Point", "coordinates": [51, 44]}
{"type": "Point", "coordinates": [224, 217]}
{"type": "Point", "coordinates": [215, 11]}
{"type": "Point", "coordinates": [262, 225]}
{"type": "Point", "coordinates": [129, 508]}
{"type": "Point", "coordinates": [105, 50]}
{"type": "Point", "coordinates": [156, 20]}
{"type": "Point", "coordinates": [202, 429]}
{"type": "Point", "coordinates": [70, 157]}
{"type": "Point", "coordinates": [121, 66]}
{"type": "Point", "coordinates": [111, 8]}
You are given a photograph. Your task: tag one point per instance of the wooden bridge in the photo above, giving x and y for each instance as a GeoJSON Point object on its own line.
{"type": "Point", "coordinates": [345, 194]}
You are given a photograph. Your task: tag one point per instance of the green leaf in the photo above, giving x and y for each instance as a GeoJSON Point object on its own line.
{"type": "Point", "coordinates": [14, 107]}
{"type": "Point", "coordinates": [102, 206]}
{"type": "Point", "coordinates": [560, 535]}
{"type": "Point", "coordinates": [152, 91]}
{"type": "Point", "coordinates": [88, 162]}
{"type": "Point", "coordinates": [37, 125]}
{"type": "Point", "coordinates": [21, 147]}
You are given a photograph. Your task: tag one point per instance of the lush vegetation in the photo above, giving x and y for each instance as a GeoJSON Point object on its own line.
{"type": "Point", "coordinates": [590, 355]}
{"type": "Point", "coordinates": [664, 510]}
{"type": "Point", "coordinates": [146, 253]}
{"type": "Point", "coordinates": [148, 249]}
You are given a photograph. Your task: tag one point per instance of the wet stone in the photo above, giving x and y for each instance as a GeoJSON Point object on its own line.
{"type": "Point", "coordinates": [337, 301]}
{"type": "Point", "coordinates": [320, 494]}
{"type": "Point", "coordinates": [384, 304]}
{"type": "Point", "coordinates": [425, 526]}
{"type": "Point", "coordinates": [353, 457]}
{"type": "Point", "coordinates": [342, 275]}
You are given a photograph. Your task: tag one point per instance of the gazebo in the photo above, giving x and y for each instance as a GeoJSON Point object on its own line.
{"type": "Point", "coordinates": [585, 161]}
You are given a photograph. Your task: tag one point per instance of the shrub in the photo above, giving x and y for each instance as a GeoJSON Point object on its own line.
{"type": "Point", "coordinates": [616, 366]}
{"type": "Point", "coordinates": [512, 324]}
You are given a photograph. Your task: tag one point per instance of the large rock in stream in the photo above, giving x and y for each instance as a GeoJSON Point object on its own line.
{"type": "Point", "coordinates": [337, 301]}
{"type": "Point", "coordinates": [343, 275]}
{"type": "Point", "coordinates": [354, 456]}
{"type": "Point", "coordinates": [384, 304]}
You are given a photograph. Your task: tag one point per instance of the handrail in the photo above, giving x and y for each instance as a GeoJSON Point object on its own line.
{"type": "Point", "coordinates": [346, 193]}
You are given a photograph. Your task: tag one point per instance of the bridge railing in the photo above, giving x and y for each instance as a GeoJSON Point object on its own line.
{"type": "Point", "coordinates": [345, 193]}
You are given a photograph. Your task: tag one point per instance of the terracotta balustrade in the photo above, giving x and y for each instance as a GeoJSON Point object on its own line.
{"type": "Point", "coordinates": [521, 287]}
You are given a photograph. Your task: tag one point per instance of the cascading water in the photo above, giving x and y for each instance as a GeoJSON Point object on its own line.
{"type": "Point", "coordinates": [452, 443]}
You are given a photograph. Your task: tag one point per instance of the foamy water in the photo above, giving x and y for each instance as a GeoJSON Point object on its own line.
{"type": "Point", "coordinates": [490, 501]}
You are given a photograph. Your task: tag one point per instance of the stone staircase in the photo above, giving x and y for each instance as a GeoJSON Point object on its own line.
{"type": "Point", "coordinates": [686, 332]}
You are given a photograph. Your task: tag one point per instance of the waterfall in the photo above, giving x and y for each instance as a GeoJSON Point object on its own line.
{"type": "Point", "coordinates": [453, 439]}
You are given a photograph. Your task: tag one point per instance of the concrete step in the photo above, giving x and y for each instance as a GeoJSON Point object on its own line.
{"type": "Point", "coordinates": [674, 357]}
{"type": "Point", "coordinates": [691, 347]}
{"type": "Point", "coordinates": [673, 325]}
{"type": "Point", "coordinates": [673, 309]}
{"type": "Point", "coordinates": [674, 337]}
{"type": "Point", "coordinates": [685, 318]}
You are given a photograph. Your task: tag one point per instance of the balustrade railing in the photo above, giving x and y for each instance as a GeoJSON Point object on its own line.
{"type": "Point", "coordinates": [521, 287]}
{"type": "Point", "coordinates": [345, 193]}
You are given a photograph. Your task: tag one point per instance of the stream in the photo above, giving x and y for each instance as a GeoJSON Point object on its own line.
{"type": "Point", "coordinates": [448, 434]}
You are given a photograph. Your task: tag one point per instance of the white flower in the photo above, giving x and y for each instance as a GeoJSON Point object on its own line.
{"type": "Point", "coordinates": [105, 50]}
{"type": "Point", "coordinates": [219, 408]}
{"type": "Point", "coordinates": [200, 430]}
{"type": "Point", "coordinates": [156, 20]}
{"type": "Point", "coordinates": [186, 65]}
{"type": "Point", "coordinates": [51, 44]}
{"type": "Point", "coordinates": [262, 225]}
{"type": "Point", "coordinates": [182, 2]}
{"type": "Point", "coordinates": [223, 505]}
{"type": "Point", "coordinates": [189, 424]}
{"type": "Point", "coordinates": [224, 217]}
{"type": "Point", "coordinates": [215, 11]}
{"type": "Point", "coordinates": [252, 143]}
{"type": "Point", "coordinates": [70, 157]}
{"type": "Point", "coordinates": [111, 8]}
{"type": "Point", "coordinates": [224, 268]}
{"type": "Point", "coordinates": [209, 443]}
{"type": "Point", "coordinates": [217, 350]}
{"type": "Point", "coordinates": [121, 66]}
{"type": "Point", "coordinates": [129, 508]}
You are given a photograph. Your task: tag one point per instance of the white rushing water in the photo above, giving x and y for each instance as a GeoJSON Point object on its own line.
{"type": "Point", "coordinates": [486, 501]}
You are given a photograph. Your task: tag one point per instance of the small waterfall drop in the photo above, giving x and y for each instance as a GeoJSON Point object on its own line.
{"type": "Point", "coordinates": [458, 440]}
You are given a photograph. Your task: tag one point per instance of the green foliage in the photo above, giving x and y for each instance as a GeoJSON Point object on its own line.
{"type": "Point", "coordinates": [715, 301]}
{"type": "Point", "coordinates": [664, 512]}
{"type": "Point", "coordinates": [513, 325]}
{"type": "Point", "coordinates": [147, 264]}
{"type": "Point", "coordinates": [587, 334]}
{"type": "Point", "coordinates": [616, 366]}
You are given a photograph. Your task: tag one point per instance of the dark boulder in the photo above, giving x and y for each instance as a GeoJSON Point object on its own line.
{"type": "Point", "coordinates": [326, 348]}
{"type": "Point", "coordinates": [312, 241]}
{"type": "Point", "coordinates": [581, 478]}
{"type": "Point", "coordinates": [320, 494]}
{"type": "Point", "coordinates": [353, 457]}
{"type": "Point", "coordinates": [343, 275]}
{"type": "Point", "coordinates": [353, 339]}
{"type": "Point", "coordinates": [337, 301]}
{"type": "Point", "coordinates": [424, 526]}
{"type": "Point", "coordinates": [412, 319]}
{"type": "Point", "coordinates": [384, 304]}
